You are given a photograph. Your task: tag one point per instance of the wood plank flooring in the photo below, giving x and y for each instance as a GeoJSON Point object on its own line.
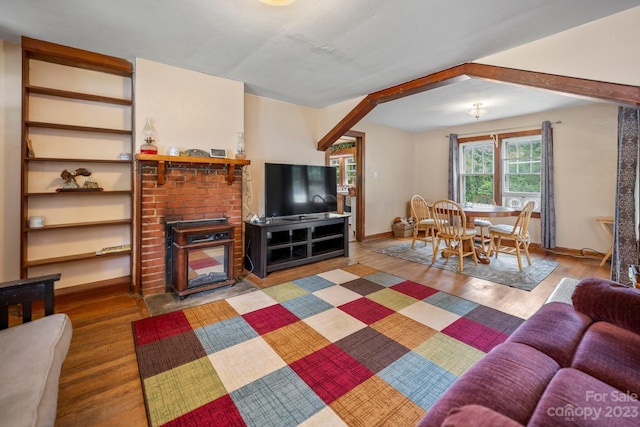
{"type": "Point", "coordinates": [100, 385]}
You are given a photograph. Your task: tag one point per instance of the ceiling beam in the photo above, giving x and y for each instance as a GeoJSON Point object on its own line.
{"type": "Point", "coordinates": [422, 84]}
{"type": "Point", "coordinates": [364, 107]}
{"type": "Point", "coordinates": [591, 89]}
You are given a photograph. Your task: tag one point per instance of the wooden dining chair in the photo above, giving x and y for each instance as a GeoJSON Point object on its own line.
{"type": "Point", "coordinates": [423, 222]}
{"type": "Point", "coordinates": [451, 223]}
{"type": "Point", "coordinates": [481, 223]}
{"type": "Point", "coordinates": [516, 236]}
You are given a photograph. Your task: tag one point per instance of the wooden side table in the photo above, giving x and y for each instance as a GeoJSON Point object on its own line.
{"type": "Point", "coordinates": [25, 291]}
{"type": "Point", "coordinates": [606, 222]}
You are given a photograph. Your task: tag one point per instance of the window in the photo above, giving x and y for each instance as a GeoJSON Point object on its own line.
{"type": "Point", "coordinates": [343, 157]}
{"type": "Point", "coordinates": [506, 169]}
{"type": "Point", "coordinates": [335, 162]}
{"type": "Point", "coordinates": [345, 170]}
{"type": "Point", "coordinates": [522, 159]}
{"type": "Point", "coordinates": [477, 171]}
{"type": "Point", "coordinates": [351, 170]}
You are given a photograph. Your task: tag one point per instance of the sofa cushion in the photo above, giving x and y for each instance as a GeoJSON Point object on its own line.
{"type": "Point", "coordinates": [510, 380]}
{"type": "Point", "coordinates": [610, 353]}
{"type": "Point", "coordinates": [32, 356]}
{"type": "Point", "coordinates": [477, 416]}
{"type": "Point", "coordinates": [574, 398]}
{"type": "Point", "coordinates": [555, 329]}
{"type": "Point", "coordinates": [609, 301]}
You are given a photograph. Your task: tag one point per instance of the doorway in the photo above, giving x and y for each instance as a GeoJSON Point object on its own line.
{"type": "Point", "coordinates": [347, 155]}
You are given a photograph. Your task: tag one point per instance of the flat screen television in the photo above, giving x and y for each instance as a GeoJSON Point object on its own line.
{"type": "Point", "coordinates": [299, 190]}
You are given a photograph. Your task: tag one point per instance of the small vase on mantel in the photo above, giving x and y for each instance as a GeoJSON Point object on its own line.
{"type": "Point", "coordinates": [240, 154]}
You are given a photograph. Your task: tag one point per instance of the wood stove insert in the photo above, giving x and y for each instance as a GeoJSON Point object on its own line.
{"type": "Point", "coordinates": [199, 255]}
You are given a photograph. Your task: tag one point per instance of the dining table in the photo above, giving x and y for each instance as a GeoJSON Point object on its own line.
{"type": "Point", "coordinates": [479, 210]}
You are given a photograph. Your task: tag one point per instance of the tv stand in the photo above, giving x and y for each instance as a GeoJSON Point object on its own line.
{"type": "Point", "coordinates": [287, 242]}
{"type": "Point", "coordinates": [297, 218]}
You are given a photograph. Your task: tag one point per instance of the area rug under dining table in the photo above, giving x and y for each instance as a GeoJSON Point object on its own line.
{"type": "Point", "coordinates": [503, 269]}
{"type": "Point", "coordinates": [352, 346]}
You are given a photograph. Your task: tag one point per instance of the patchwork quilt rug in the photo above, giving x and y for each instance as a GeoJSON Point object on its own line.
{"type": "Point", "coordinates": [503, 269]}
{"type": "Point", "coordinates": [353, 346]}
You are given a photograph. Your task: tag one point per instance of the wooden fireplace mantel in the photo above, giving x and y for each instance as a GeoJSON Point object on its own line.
{"type": "Point", "coordinates": [161, 160]}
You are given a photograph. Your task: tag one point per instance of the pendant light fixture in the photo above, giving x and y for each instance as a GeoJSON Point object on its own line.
{"type": "Point", "coordinates": [477, 111]}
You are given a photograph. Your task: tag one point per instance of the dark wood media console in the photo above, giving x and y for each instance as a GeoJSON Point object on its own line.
{"type": "Point", "coordinates": [288, 242]}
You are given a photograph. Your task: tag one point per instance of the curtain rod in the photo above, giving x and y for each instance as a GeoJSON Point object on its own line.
{"type": "Point", "coordinates": [503, 129]}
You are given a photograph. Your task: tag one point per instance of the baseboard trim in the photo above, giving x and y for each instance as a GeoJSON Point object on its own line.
{"type": "Point", "coordinates": [576, 253]}
{"type": "Point", "coordinates": [100, 289]}
{"type": "Point", "coordinates": [387, 234]}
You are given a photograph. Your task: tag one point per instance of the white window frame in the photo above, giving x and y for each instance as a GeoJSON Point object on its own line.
{"type": "Point", "coordinates": [461, 167]}
{"type": "Point", "coordinates": [514, 199]}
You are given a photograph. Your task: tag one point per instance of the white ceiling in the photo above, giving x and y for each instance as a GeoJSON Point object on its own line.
{"type": "Point", "coordinates": [320, 52]}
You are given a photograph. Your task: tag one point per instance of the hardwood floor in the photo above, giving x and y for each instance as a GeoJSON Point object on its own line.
{"type": "Point", "coordinates": [100, 386]}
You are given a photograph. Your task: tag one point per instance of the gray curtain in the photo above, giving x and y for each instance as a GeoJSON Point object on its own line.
{"type": "Point", "coordinates": [625, 251]}
{"type": "Point", "coordinates": [547, 192]}
{"type": "Point", "coordinates": [454, 194]}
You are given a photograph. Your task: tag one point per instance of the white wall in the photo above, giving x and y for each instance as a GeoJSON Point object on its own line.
{"type": "Point", "coordinates": [585, 150]}
{"type": "Point", "coordinates": [390, 170]}
{"type": "Point", "coordinates": [586, 166]}
{"type": "Point", "coordinates": [276, 132]}
{"type": "Point", "coordinates": [189, 109]}
{"type": "Point", "coordinates": [287, 133]}
{"type": "Point", "coordinates": [10, 119]}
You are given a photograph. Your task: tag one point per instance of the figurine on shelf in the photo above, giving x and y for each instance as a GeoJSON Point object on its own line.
{"type": "Point", "coordinates": [70, 177]}
{"type": "Point", "coordinates": [90, 183]}
{"type": "Point", "coordinates": [30, 152]}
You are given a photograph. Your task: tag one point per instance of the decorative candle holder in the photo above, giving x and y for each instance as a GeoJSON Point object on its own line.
{"type": "Point", "coordinates": [240, 154]}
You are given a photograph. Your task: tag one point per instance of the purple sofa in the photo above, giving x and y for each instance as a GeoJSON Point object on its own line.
{"type": "Point", "coordinates": [565, 366]}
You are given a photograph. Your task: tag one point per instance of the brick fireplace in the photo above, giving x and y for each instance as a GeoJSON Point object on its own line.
{"type": "Point", "coordinates": [183, 191]}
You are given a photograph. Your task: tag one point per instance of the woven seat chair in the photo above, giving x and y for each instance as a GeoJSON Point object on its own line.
{"type": "Point", "coordinates": [452, 228]}
{"type": "Point", "coordinates": [423, 222]}
{"type": "Point", "coordinates": [517, 235]}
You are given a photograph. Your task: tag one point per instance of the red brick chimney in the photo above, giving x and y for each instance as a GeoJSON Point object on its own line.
{"type": "Point", "coordinates": [190, 191]}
